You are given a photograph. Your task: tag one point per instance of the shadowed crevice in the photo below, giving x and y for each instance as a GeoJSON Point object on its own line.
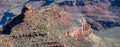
{"type": "Point", "coordinates": [15, 21]}
{"type": "Point", "coordinates": [8, 26]}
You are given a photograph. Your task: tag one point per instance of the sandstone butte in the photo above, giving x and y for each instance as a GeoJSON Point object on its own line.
{"type": "Point", "coordinates": [48, 26]}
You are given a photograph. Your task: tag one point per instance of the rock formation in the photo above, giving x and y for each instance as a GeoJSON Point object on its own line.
{"type": "Point", "coordinates": [55, 16]}
{"type": "Point", "coordinates": [50, 25]}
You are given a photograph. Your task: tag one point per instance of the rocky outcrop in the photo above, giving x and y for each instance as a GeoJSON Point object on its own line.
{"type": "Point", "coordinates": [55, 16]}
{"type": "Point", "coordinates": [50, 26]}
